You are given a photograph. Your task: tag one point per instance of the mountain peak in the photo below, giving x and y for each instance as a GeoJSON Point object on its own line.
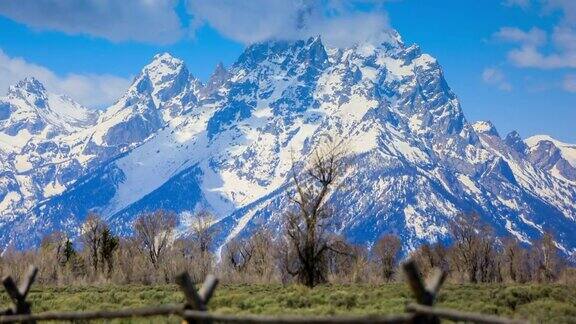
{"type": "Point", "coordinates": [309, 50]}
{"type": "Point", "coordinates": [549, 153]}
{"type": "Point", "coordinates": [218, 77]}
{"type": "Point", "coordinates": [30, 85]}
{"type": "Point", "coordinates": [315, 40]}
{"type": "Point", "coordinates": [534, 140]}
{"type": "Point", "coordinates": [163, 66]}
{"type": "Point", "coordinates": [485, 127]}
{"type": "Point", "coordinates": [514, 140]}
{"type": "Point", "coordinates": [29, 106]}
{"type": "Point", "coordinates": [162, 74]}
{"type": "Point", "coordinates": [165, 58]}
{"type": "Point", "coordinates": [568, 150]}
{"type": "Point", "coordinates": [220, 69]}
{"type": "Point", "coordinates": [163, 89]}
{"type": "Point", "coordinates": [317, 52]}
{"type": "Point", "coordinates": [30, 90]}
{"type": "Point", "coordinates": [513, 136]}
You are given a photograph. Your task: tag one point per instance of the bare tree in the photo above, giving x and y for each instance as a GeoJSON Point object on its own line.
{"type": "Point", "coordinates": [254, 259]}
{"type": "Point", "coordinates": [202, 235]}
{"type": "Point", "coordinates": [489, 260]}
{"type": "Point", "coordinates": [262, 260]}
{"type": "Point", "coordinates": [99, 243]}
{"type": "Point", "coordinates": [251, 259]}
{"type": "Point", "coordinates": [362, 267]}
{"type": "Point", "coordinates": [132, 266]}
{"type": "Point", "coordinates": [154, 232]}
{"type": "Point", "coordinates": [344, 259]}
{"type": "Point", "coordinates": [307, 225]}
{"type": "Point", "coordinates": [513, 258]}
{"type": "Point", "coordinates": [51, 255]}
{"type": "Point", "coordinates": [430, 256]}
{"type": "Point", "coordinates": [202, 238]}
{"type": "Point", "coordinates": [473, 249]}
{"type": "Point", "coordinates": [55, 245]}
{"type": "Point", "coordinates": [237, 255]}
{"type": "Point", "coordinates": [92, 238]}
{"type": "Point", "coordinates": [547, 263]}
{"type": "Point", "coordinates": [386, 253]}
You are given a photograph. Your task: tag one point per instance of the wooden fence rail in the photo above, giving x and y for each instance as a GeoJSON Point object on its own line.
{"type": "Point", "coordinates": [194, 310]}
{"type": "Point", "coordinates": [200, 316]}
{"type": "Point", "coordinates": [164, 310]}
{"type": "Point", "coordinates": [459, 316]}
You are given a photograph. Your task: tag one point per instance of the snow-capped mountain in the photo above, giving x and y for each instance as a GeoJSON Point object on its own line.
{"type": "Point", "coordinates": [227, 146]}
{"type": "Point", "coordinates": [550, 154]}
{"type": "Point", "coordinates": [48, 142]}
{"type": "Point", "coordinates": [29, 111]}
{"type": "Point", "coordinates": [32, 122]}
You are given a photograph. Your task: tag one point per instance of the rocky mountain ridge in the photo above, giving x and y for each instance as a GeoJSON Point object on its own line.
{"type": "Point", "coordinates": [171, 142]}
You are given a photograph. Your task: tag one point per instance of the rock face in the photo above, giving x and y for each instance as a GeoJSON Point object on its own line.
{"type": "Point", "coordinates": [552, 155]}
{"type": "Point", "coordinates": [227, 147]}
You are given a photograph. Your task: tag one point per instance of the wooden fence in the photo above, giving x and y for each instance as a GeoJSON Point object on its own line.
{"type": "Point", "coordinates": [195, 308]}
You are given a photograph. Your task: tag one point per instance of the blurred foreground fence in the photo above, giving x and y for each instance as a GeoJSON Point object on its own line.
{"type": "Point", "coordinates": [195, 308]}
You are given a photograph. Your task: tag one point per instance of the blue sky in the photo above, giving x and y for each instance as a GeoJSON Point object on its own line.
{"type": "Point", "coordinates": [509, 61]}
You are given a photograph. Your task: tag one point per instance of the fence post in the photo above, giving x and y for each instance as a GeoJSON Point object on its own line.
{"type": "Point", "coordinates": [18, 295]}
{"type": "Point", "coordinates": [425, 294]}
{"type": "Point", "coordinates": [196, 300]}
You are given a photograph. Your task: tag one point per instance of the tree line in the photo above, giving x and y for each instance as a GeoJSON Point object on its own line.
{"type": "Point", "coordinates": [306, 251]}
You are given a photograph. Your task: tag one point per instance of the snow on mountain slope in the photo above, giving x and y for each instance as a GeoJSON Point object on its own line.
{"type": "Point", "coordinates": [550, 154]}
{"type": "Point", "coordinates": [50, 141]}
{"type": "Point", "coordinates": [28, 111]}
{"type": "Point", "coordinates": [32, 121]}
{"type": "Point", "coordinates": [429, 164]}
{"type": "Point", "coordinates": [228, 148]}
{"type": "Point", "coordinates": [568, 151]}
{"type": "Point", "coordinates": [163, 90]}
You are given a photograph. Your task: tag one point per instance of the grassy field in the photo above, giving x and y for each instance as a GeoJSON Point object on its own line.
{"type": "Point", "coordinates": [538, 303]}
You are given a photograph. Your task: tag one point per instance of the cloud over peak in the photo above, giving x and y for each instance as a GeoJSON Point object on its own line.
{"type": "Point", "coordinates": [339, 22]}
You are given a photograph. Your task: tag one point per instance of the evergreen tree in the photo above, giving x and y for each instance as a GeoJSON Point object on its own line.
{"type": "Point", "coordinates": [109, 244]}
{"type": "Point", "coordinates": [69, 251]}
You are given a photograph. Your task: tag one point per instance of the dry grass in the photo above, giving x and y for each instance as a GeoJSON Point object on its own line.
{"type": "Point", "coordinates": [538, 303]}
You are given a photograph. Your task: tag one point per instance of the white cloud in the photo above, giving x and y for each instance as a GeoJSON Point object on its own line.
{"type": "Point", "coordinates": [565, 39]}
{"type": "Point", "coordinates": [151, 21]}
{"type": "Point", "coordinates": [569, 83]}
{"type": "Point", "coordinates": [530, 51]}
{"type": "Point", "coordinates": [533, 37]}
{"type": "Point", "coordinates": [542, 50]}
{"type": "Point", "coordinates": [337, 21]}
{"type": "Point", "coordinates": [496, 77]}
{"type": "Point", "coordinates": [532, 55]}
{"type": "Point", "coordinates": [92, 90]}
{"type": "Point", "coordinates": [568, 8]}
